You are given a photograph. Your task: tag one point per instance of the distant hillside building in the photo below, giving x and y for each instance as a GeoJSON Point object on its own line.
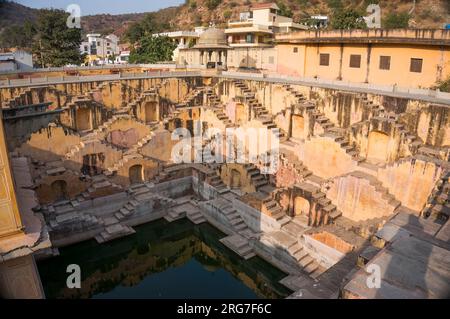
{"type": "Point", "coordinates": [249, 41]}
{"type": "Point", "coordinates": [98, 48]}
{"type": "Point", "coordinates": [16, 61]}
{"type": "Point", "coordinates": [258, 27]}
{"type": "Point", "coordinates": [183, 39]}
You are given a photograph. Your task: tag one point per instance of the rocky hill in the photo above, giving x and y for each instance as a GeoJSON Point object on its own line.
{"type": "Point", "coordinates": [427, 13]}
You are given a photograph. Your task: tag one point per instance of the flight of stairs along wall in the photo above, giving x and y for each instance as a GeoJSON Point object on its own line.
{"type": "Point", "coordinates": [291, 246]}
{"type": "Point", "coordinates": [261, 113]}
{"type": "Point", "coordinates": [292, 160]}
{"type": "Point", "coordinates": [299, 96]}
{"type": "Point", "coordinates": [215, 104]}
{"type": "Point", "coordinates": [344, 143]}
{"type": "Point", "coordinates": [239, 245]}
{"type": "Point", "coordinates": [213, 178]}
{"type": "Point", "coordinates": [309, 265]}
{"type": "Point", "coordinates": [23, 98]}
{"type": "Point", "coordinates": [113, 229]}
{"type": "Point", "coordinates": [275, 211]}
{"type": "Point", "coordinates": [99, 182]}
{"type": "Point", "coordinates": [329, 212]}
{"type": "Point", "coordinates": [250, 97]}
{"type": "Point", "coordinates": [136, 147]}
{"type": "Point", "coordinates": [413, 141]}
{"type": "Point", "coordinates": [196, 217]}
{"type": "Point", "coordinates": [193, 98]}
{"type": "Point", "coordinates": [102, 128]}
{"type": "Point", "coordinates": [64, 216]}
{"type": "Point", "coordinates": [438, 204]}
{"type": "Point", "coordinates": [232, 216]}
{"type": "Point", "coordinates": [258, 179]}
{"type": "Point", "coordinates": [54, 171]}
{"type": "Point", "coordinates": [374, 109]}
{"type": "Point", "coordinates": [127, 109]}
{"type": "Point", "coordinates": [142, 194]}
{"type": "Point", "coordinates": [121, 162]}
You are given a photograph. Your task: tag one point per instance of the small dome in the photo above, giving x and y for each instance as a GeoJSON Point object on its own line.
{"type": "Point", "coordinates": [212, 38]}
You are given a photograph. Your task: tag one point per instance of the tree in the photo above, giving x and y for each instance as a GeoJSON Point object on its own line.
{"type": "Point", "coordinates": [18, 36]}
{"type": "Point", "coordinates": [347, 19]}
{"type": "Point", "coordinates": [148, 25]}
{"type": "Point", "coordinates": [396, 20]}
{"type": "Point", "coordinates": [55, 44]}
{"type": "Point", "coordinates": [284, 10]}
{"type": "Point", "coordinates": [152, 49]}
{"type": "Point", "coordinates": [212, 4]}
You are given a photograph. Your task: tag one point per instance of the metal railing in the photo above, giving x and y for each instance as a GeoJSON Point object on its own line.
{"type": "Point", "coordinates": [92, 78]}
{"type": "Point", "coordinates": [422, 94]}
{"type": "Point", "coordinates": [394, 90]}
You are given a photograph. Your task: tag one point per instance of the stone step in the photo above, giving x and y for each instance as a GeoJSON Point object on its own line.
{"type": "Point", "coordinates": [306, 260]}
{"type": "Point", "coordinates": [311, 268]}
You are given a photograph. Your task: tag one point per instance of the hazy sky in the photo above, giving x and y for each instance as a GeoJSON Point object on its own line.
{"type": "Point", "coordinates": [103, 6]}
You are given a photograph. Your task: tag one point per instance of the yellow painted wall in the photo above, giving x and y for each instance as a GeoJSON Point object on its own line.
{"type": "Point", "coordinates": [10, 221]}
{"type": "Point", "coordinates": [305, 63]}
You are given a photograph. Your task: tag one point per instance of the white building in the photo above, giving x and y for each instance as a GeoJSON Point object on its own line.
{"type": "Point", "coordinates": [183, 39]}
{"type": "Point", "coordinates": [123, 57]}
{"type": "Point", "coordinates": [98, 48]}
{"type": "Point", "coordinates": [16, 61]}
{"type": "Point", "coordinates": [257, 27]}
{"type": "Point", "coordinates": [319, 21]}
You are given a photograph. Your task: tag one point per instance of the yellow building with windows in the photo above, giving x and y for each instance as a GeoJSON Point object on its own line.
{"type": "Point", "coordinates": [406, 58]}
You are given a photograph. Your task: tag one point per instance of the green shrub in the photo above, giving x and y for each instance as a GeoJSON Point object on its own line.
{"type": "Point", "coordinates": [396, 20]}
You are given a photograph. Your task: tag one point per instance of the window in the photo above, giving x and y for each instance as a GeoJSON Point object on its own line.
{"type": "Point", "coordinates": [249, 38]}
{"type": "Point", "coordinates": [271, 60]}
{"type": "Point", "coordinates": [355, 61]}
{"type": "Point", "coordinates": [416, 65]}
{"type": "Point", "coordinates": [325, 59]}
{"type": "Point", "coordinates": [385, 62]}
{"type": "Point", "coordinates": [295, 50]}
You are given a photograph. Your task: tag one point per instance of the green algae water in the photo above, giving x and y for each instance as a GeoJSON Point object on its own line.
{"type": "Point", "coordinates": [162, 260]}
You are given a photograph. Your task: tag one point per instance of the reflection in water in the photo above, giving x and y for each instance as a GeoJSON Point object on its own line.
{"type": "Point", "coordinates": [162, 260]}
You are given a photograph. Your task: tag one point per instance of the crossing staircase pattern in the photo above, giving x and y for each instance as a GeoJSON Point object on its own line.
{"type": "Point", "coordinates": [193, 98]}
{"type": "Point", "coordinates": [261, 113]}
{"type": "Point", "coordinates": [216, 106]}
